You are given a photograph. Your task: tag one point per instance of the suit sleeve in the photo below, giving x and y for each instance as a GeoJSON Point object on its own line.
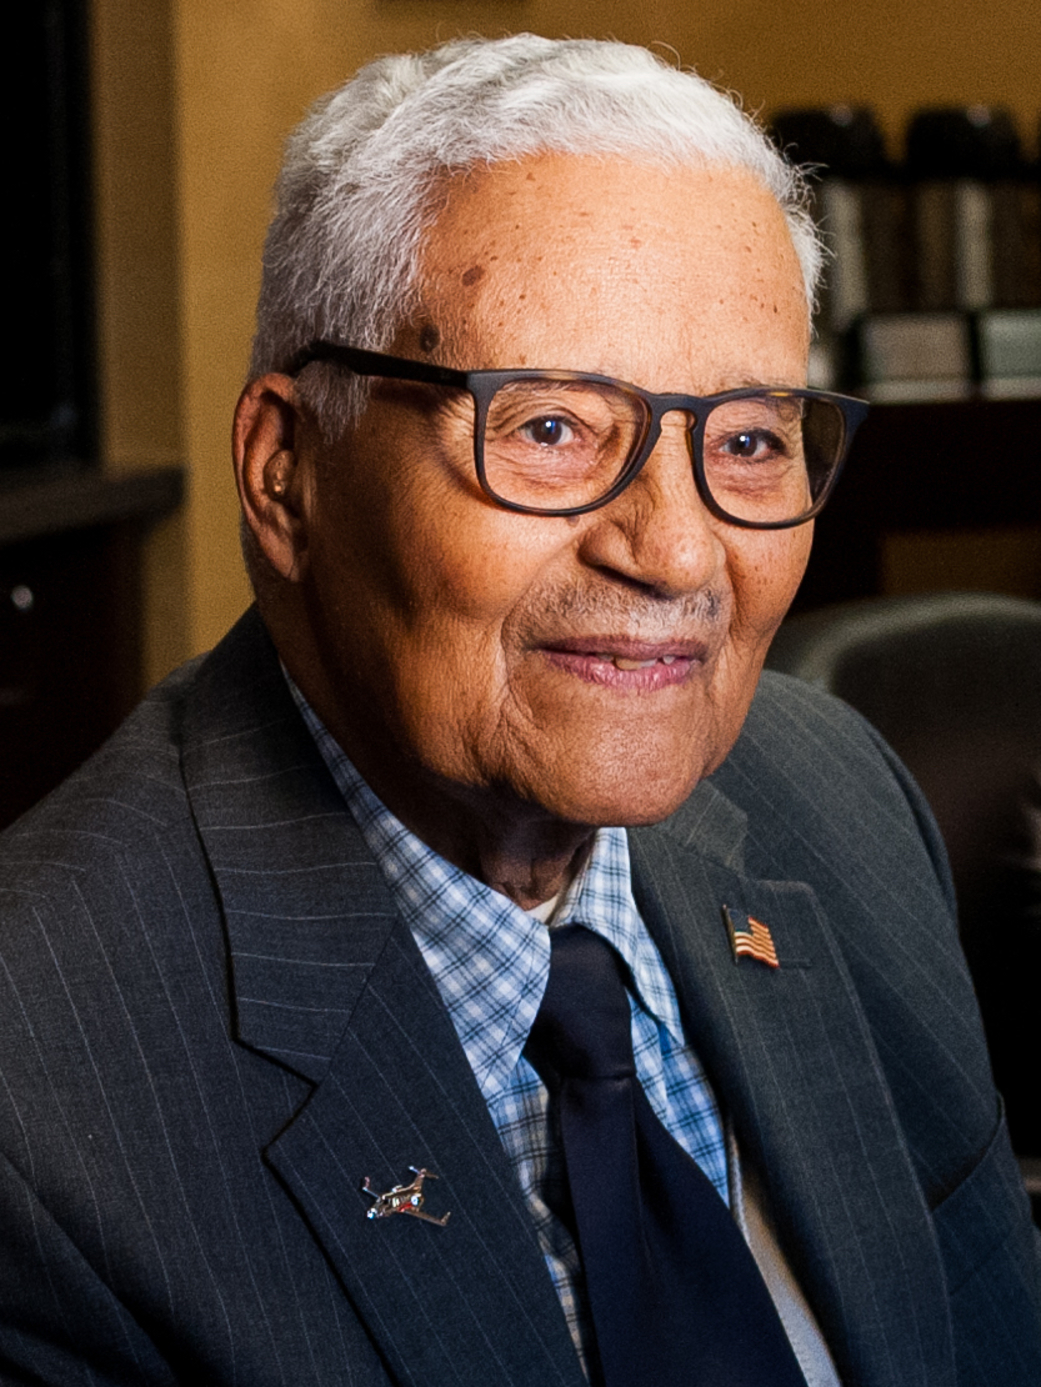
{"type": "Point", "coordinates": [919, 807]}
{"type": "Point", "coordinates": [59, 1323]}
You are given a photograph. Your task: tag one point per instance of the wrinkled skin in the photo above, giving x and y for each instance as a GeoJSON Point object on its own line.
{"type": "Point", "coordinates": [454, 647]}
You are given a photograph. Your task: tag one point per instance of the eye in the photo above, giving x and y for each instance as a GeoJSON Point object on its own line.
{"type": "Point", "coordinates": [752, 444]}
{"type": "Point", "coordinates": [548, 431]}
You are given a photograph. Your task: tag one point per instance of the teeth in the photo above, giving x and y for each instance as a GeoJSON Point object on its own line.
{"type": "Point", "coordinates": [623, 661]}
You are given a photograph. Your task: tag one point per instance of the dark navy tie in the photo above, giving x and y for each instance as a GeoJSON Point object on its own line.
{"type": "Point", "coordinates": [676, 1297]}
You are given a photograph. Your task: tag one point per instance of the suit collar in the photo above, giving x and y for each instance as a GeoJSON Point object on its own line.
{"type": "Point", "coordinates": [328, 982]}
{"type": "Point", "coordinates": [709, 823]}
{"type": "Point", "coordinates": [306, 909]}
{"type": "Point", "coordinates": [791, 1051]}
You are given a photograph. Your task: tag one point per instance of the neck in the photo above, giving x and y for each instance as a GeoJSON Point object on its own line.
{"type": "Point", "coordinates": [516, 847]}
{"type": "Point", "coordinates": [531, 869]}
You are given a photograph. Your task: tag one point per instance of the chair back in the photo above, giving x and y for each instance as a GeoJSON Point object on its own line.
{"type": "Point", "coordinates": [953, 683]}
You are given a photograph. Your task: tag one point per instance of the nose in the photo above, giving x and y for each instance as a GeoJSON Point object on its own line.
{"type": "Point", "coordinates": [658, 533]}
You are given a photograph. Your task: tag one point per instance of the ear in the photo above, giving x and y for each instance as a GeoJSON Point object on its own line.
{"type": "Point", "coordinates": [272, 482]}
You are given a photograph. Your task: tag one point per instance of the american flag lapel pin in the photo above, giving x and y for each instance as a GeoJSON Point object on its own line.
{"type": "Point", "coordinates": [750, 938]}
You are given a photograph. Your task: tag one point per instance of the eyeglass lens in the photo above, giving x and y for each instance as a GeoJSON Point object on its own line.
{"type": "Point", "coordinates": [555, 444]}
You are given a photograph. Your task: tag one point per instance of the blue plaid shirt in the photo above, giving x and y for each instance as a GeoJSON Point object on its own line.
{"type": "Point", "coordinates": [490, 960]}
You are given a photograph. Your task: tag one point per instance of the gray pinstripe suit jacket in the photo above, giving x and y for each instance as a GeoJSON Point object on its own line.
{"type": "Point", "coordinates": [212, 1026]}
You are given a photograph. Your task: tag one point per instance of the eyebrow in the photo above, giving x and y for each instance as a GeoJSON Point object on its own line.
{"type": "Point", "coordinates": [745, 382]}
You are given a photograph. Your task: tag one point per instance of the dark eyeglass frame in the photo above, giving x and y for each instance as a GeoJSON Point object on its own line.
{"type": "Point", "coordinates": [482, 386]}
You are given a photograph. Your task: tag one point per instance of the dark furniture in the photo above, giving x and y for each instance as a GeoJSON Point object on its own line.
{"type": "Point", "coordinates": [967, 465]}
{"type": "Point", "coordinates": [953, 682]}
{"type": "Point", "coordinates": [71, 632]}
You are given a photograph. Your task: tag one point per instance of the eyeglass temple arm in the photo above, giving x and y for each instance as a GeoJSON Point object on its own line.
{"type": "Point", "coordinates": [364, 363]}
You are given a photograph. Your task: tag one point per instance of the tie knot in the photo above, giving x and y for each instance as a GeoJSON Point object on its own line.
{"type": "Point", "coordinates": [583, 1029]}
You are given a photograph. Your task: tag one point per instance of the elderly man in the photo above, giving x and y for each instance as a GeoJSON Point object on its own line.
{"type": "Point", "coordinates": [297, 1085]}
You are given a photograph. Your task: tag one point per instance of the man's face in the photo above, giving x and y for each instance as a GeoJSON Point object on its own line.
{"type": "Point", "coordinates": [593, 667]}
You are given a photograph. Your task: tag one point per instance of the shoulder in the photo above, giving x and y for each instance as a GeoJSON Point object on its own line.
{"type": "Point", "coordinates": [132, 785]}
{"type": "Point", "coordinates": [111, 922]}
{"type": "Point", "coordinates": [116, 863]}
{"type": "Point", "coordinates": [803, 732]}
{"type": "Point", "coordinates": [101, 858]}
{"type": "Point", "coordinates": [133, 789]}
{"type": "Point", "coordinates": [93, 874]}
{"type": "Point", "coordinates": [808, 769]}
{"type": "Point", "coordinates": [828, 804]}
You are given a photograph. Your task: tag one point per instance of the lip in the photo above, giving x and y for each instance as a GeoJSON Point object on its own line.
{"type": "Point", "coordinates": [582, 656]}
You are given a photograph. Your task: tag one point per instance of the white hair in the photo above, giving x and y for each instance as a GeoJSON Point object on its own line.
{"type": "Point", "coordinates": [354, 197]}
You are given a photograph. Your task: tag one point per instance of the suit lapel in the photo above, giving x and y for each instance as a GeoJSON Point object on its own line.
{"type": "Point", "coordinates": [327, 982]}
{"type": "Point", "coordinates": [790, 1051]}
{"type": "Point", "coordinates": [400, 1093]}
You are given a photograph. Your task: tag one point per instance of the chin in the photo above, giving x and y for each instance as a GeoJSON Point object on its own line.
{"type": "Point", "coordinates": [624, 793]}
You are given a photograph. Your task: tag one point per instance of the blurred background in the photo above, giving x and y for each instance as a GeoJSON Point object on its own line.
{"type": "Point", "coordinates": [182, 107]}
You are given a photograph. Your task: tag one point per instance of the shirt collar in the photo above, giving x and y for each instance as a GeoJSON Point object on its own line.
{"type": "Point", "coordinates": [490, 958]}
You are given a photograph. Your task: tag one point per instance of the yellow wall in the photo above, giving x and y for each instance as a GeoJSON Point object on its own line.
{"type": "Point", "coordinates": [194, 99]}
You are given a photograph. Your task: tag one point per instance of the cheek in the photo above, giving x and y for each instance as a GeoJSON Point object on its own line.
{"type": "Point", "coordinates": [766, 567]}
{"type": "Point", "coordinates": [431, 586]}
{"type": "Point", "coordinates": [426, 545]}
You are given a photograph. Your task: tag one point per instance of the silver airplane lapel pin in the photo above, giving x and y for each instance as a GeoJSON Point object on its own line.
{"type": "Point", "coordinates": [403, 1199]}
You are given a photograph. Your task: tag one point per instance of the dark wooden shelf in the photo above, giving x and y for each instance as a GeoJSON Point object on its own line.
{"type": "Point", "coordinates": [71, 616]}
{"type": "Point", "coordinates": [38, 501]}
{"type": "Point", "coordinates": [950, 465]}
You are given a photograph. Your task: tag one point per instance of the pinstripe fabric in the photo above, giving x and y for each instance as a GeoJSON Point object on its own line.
{"type": "Point", "coordinates": [213, 1024]}
{"type": "Point", "coordinates": [888, 940]}
{"type": "Point", "coordinates": [490, 961]}
{"type": "Point", "coordinates": [135, 1200]}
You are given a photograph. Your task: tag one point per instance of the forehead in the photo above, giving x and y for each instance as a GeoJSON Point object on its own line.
{"type": "Point", "coordinates": [604, 264]}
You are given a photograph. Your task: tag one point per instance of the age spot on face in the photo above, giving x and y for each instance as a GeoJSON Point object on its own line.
{"type": "Point", "coordinates": [473, 275]}
{"type": "Point", "coordinates": [429, 338]}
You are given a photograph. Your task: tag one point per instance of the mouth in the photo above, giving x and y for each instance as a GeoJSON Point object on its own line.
{"type": "Point", "coordinates": [625, 664]}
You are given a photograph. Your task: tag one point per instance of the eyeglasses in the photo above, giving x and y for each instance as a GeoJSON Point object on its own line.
{"type": "Point", "coordinates": [563, 443]}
